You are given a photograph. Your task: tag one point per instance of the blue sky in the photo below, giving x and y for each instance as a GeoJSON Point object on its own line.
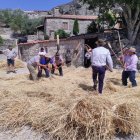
{"type": "Point", "coordinates": [31, 4]}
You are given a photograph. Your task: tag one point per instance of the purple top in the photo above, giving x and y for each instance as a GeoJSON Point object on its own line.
{"type": "Point", "coordinates": [131, 62]}
{"type": "Point", "coordinates": [57, 61]}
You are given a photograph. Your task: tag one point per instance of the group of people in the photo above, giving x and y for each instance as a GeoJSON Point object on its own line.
{"type": "Point", "coordinates": [44, 61]}
{"type": "Point", "coordinates": [101, 61]}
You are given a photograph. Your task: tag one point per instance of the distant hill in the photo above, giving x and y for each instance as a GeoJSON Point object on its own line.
{"type": "Point", "coordinates": [76, 7]}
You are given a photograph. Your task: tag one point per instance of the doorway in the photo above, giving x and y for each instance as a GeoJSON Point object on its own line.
{"type": "Point", "coordinates": [90, 43]}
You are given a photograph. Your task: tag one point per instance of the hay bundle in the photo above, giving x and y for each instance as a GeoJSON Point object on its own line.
{"type": "Point", "coordinates": [18, 64]}
{"type": "Point", "coordinates": [111, 87]}
{"type": "Point", "coordinates": [90, 119]}
{"type": "Point", "coordinates": [127, 119]}
{"type": "Point", "coordinates": [12, 112]}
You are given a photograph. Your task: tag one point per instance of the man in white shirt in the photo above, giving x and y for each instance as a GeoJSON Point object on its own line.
{"type": "Point", "coordinates": [101, 60]}
{"type": "Point", "coordinates": [11, 55]}
{"type": "Point", "coordinates": [33, 63]}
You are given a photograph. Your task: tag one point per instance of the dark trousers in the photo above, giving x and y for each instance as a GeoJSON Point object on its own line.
{"type": "Point", "coordinates": [59, 69]}
{"type": "Point", "coordinates": [100, 73]}
{"type": "Point", "coordinates": [131, 75]}
{"type": "Point", "coordinates": [10, 62]}
{"type": "Point", "coordinates": [47, 72]}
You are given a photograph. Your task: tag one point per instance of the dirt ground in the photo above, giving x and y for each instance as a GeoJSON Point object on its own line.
{"type": "Point", "coordinates": [34, 96]}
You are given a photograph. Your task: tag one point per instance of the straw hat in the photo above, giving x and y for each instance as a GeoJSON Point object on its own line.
{"type": "Point", "coordinates": [133, 50]}
{"type": "Point", "coordinates": [48, 55]}
{"type": "Point", "coordinates": [100, 42]}
{"type": "Point", "coordinates": [42, 53]}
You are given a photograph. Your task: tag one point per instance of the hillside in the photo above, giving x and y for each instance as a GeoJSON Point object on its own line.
{"type": "Point", "coordinates": [76, 7]}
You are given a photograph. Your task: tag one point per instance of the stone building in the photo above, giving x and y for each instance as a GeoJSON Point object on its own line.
{"type": "Point", "coordinates": [66, 22]}
{"type": "Point", "coordinates": [75, 44]}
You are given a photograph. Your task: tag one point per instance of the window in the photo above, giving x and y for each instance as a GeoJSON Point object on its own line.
{"type": "Point", "coordinates": [65, 26]}
{"type": "Point", "coordinates": [51, 32]}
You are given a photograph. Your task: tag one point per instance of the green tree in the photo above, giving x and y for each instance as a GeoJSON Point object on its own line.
{"type": "Point", "coordinates": [76, 27]}
{"type": "Point", "coordinates": [19, 22]}
{"type": "Point", "coordinates": [92, 28]}
{"type": "Point", "coordinates": [1, 40]}
{"type": "Point", "coordinates": [29, 25]}
{"type": "Point", "coordinates": [131, 13]}
{"type": "Point", "coordinates": [61, 33]}
{"type": "Point", "coordinates": [5, 16]}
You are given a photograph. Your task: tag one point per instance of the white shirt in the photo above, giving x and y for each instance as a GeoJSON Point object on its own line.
{"type": "Point", "coordinates": [101, 57]}
{"type": "Point", "coordinates": [33, 61]}
{"type": "Point", "coordinates": [11, 54]}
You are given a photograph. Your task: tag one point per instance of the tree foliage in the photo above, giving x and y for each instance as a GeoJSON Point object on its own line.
{"type": "Point", "coordinates": [92, 28]}
{"type": "Point", "coordinates": [61, 33]}
{"type": "Point", "coordinates": [76, 27]}
{"type": "Point", "coordinates": [19, 22]}
{"type": "Point", "coordinates": [130, 9]}
{"type": "Point", "coordinates": [1, 40]}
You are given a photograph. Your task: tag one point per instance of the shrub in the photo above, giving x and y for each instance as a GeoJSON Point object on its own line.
{"type": "Point", "coordinates": [61, 33]}
{"type": "Point", "coordinates": [76, 27]}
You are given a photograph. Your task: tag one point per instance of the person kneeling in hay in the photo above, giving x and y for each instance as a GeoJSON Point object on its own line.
{"type": "Point", "coordinates": [45, 60]}
{"type": "Point", "coordinates": [32, 64]}
{"type": "Point", "coordinates": [58, 63]}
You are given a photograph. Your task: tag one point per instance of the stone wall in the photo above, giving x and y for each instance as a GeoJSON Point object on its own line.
{"type": "Point", "coordinates": [32, 37]}
{"type": "Point", "coordinates": [53, 24]}
{"type": "Point", "coordinates": [28, 50]}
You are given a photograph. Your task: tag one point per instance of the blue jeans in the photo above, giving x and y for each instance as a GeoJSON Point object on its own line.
{"type": "Point", "coordinates": [131, 75]}
{"type": "Point", "coordinates": [47, 72]}
{"type": "Point", "coordinates": [59, 69]}
{"type": "Point", "coordinates": [100, 72]}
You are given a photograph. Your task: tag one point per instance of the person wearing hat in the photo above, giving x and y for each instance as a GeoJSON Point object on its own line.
{"type": "Point", "coordinates": [130, 67]}
{"type": "Point", "coordinates": [124, 56]}
{"type": "Point", "coordinates": [57, 63]}
{"type": "Point", "coordinates": [33, 63]}
{"type": "Point", "coordinates": [11, 55]}
{"type": "Point", "coordinates": [45, 60]}
{"type": "Point", "coordinates": [100, 60]}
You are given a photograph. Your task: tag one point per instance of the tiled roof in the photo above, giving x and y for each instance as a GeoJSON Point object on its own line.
{"type": "Point", "coordinates": [80, 17]}
{"type": "Point", "coordinates": [33, 42]}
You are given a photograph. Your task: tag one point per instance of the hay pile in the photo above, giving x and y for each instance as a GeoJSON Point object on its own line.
{"type": "Point", "coordinates": [18, 64]}
{"type": "Point", "coordinates": [127, 118]}
{"type": "Point", "coordinates": [66, 108]}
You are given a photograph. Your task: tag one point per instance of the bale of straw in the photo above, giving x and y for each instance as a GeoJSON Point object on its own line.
{"type": "Point", "coordinates": [89, 119]}
{"type": "Point", "coordinates": [13, 112]}
{"type": "Point", "coordinates": [18, 64]}
{"type": "Point", "coordinates": [92, 118]}
{"type": "Point", "coordinates": [127, 118]}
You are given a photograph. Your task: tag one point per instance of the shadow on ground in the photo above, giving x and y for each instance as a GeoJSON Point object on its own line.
{"type": "Point", "coordinates": [115, 81]}
{"type": "Point", "coordinates": [86, 87]}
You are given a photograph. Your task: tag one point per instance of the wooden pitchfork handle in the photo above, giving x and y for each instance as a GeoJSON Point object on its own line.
{"type": "Point", "coordinates": [115, 54]}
